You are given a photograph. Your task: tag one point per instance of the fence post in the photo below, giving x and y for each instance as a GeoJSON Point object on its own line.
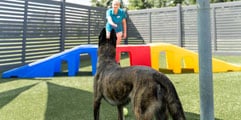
{"type": "Point", "coordinates": [24, 31]}
{"type": "Point", "coordinates": [214, 35]}
{"type": "Point", "coordinates": [62, 39]}
{"type": "Point", "coordinates": [179, 25]}
{"type": "Point", "coordinates": [205, 61]}
{"type": "Point", "coordinates": [89, 25]}
{"type": "Point", "coordinates": [150, 27]}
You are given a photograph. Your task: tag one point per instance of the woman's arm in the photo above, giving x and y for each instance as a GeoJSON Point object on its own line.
{"type": "Point", "coordinates": [109, 20]}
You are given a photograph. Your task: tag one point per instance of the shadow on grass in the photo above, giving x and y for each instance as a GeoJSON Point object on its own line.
{"type": "Point", "coordinates": [194, 116]}
{"type": "Point", "coordinates": [7, 96]}
{"type": "Point", "coordinates": [19, 79]}
{"type": "Point", "coordinates": [80, 73]}
{"type": "Point", "coordinates": [169, 71]}
{"type": "Point", "coordinates": [189, 115]}
{"type": "Point", "coordinates": [67, 103]}
{"type": "Point", "coordinates": [7, 80]}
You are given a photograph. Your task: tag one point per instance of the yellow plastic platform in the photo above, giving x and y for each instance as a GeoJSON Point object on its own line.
{"type": "Point", "coordinates": [178, 58]}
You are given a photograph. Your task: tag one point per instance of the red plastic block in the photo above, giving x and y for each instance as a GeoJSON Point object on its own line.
{"type": "Point", "coordinates": [139, 54]}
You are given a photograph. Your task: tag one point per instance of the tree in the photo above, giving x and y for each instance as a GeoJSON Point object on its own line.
{"type": "Point", "coordinates": [140, 4]}
{"type": "Point", "coordinates": [104, 3]}
{"type": "Point", "coordinates": [100, 3]}
{"type": "Point", "coordinates": [158, 3]}
{"type": "Point", "coordinates": [144, 4]}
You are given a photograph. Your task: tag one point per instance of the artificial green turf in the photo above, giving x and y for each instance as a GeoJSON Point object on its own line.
{"type": "Point", "coordinates": [70, 98]}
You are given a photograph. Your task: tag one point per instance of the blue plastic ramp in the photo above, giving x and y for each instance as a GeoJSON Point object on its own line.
{"type": "Point", "coordinates": [48, 66]}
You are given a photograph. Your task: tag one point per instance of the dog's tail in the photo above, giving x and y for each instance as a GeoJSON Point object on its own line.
{"type": "Point", "coordinates": [171, 97]}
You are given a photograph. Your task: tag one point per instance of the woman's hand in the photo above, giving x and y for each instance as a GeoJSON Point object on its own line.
{"type": "Point", "coordinates": [114, 25]}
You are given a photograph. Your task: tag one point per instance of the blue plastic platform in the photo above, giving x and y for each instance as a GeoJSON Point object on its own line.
{"type": "Point", "coordinates": [48, 66]}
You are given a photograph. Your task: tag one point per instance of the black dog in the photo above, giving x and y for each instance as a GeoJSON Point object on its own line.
{"type": "Point", "coordinates": [150, 92]}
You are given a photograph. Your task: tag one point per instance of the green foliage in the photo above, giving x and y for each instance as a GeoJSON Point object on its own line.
{"type": "Point", "coordinates": [100, 3]}
{"type": "Point", "coordinates": [144, 4]}
{"type": "Point", "coordinates": [104, 3]}
{"type": "Point", "coordinates": [140, 4]}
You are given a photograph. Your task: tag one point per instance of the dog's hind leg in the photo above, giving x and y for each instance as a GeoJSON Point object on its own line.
{"type": "Point", "coordinates": [146, 110]}
{"type": "Point", "coordinates": [171, 97]}
{"type": "Point", "coordinates": [144, 116]}
{"type": "Point", "coordinates": [120, 112]}
{"type": "Point", "coordinates": [162, 113]}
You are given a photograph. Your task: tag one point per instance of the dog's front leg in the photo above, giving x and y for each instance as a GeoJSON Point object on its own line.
{"type": "Point", "coordinates": [120, 112]}
{"type": "Point", "coordinates": [97, 98]}
{"type": "Point", "coordinates": [97, 108]}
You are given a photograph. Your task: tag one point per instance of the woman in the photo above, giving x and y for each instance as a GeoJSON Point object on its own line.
{"type": "Point", "coordinates": [116, 19]}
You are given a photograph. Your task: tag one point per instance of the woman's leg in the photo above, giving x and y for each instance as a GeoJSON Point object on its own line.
{"type": "Point", "coordinates": [119, 38]}
{"type": "Point", "coordinates": [107, 35]}
{"type": "Point", "coordinates": [118, 41]}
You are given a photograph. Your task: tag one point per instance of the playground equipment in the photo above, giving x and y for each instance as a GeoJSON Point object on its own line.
{"type": "Point", "coordinates": [175, 56]}
{"type": "Point", "coordinates": [139, 54]}
{"type": "Point", "coordinates": [148, 55]}
{"type": "Point", "coordinates": [48, 66]}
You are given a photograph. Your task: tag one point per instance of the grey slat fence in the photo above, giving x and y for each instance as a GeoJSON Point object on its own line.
{"type": "Point", "coordinates": [178, 25]}
{"type": "Point", "coordinates": [34, 29]}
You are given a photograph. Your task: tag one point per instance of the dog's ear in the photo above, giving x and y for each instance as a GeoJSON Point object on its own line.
{"type": "Point", "coordinates": [113, 37]}
{"type": "Point", "coordinates": [102, 37]}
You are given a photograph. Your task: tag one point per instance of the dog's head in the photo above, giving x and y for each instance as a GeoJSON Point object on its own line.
{"type": "Point", "coordinates": [107, 47]}
{"type": "Point", "coordinates": [110, 41]}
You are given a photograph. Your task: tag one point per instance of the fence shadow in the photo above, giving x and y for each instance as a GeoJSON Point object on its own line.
{"type": "Point", "coordinates": [7, 96]}
{"type": "Point", "coordinates": [194, 116]}
{"type": "Point", "coordinates": [66, 103]}
{"type": "Point", "coordinates": [134, 36]}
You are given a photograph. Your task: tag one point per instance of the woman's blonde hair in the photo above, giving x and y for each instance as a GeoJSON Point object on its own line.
{"type": "Point", "coordinates": [115, 1]}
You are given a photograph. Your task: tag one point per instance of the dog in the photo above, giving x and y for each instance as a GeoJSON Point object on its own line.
{"type": "Point", "coordinates": [150, 92]}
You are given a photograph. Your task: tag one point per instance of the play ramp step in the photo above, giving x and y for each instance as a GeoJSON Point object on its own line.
{"type": "Point", "coordinates": [178, 58]}
{"type": "Point", "coordinates": [48, 66]}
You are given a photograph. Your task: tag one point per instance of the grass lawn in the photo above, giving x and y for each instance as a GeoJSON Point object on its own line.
{"type": "Point", "coordinates": [70, 98]}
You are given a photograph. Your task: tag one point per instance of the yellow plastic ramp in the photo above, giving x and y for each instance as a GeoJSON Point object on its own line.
{"type": "Point", "coordinates": [178, 58]}
{"type": "Point", "coordinates": [222, 66]}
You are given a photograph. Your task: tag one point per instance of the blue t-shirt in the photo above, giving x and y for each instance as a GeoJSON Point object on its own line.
{"type": "Point", "coordinates": [116, 18]}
